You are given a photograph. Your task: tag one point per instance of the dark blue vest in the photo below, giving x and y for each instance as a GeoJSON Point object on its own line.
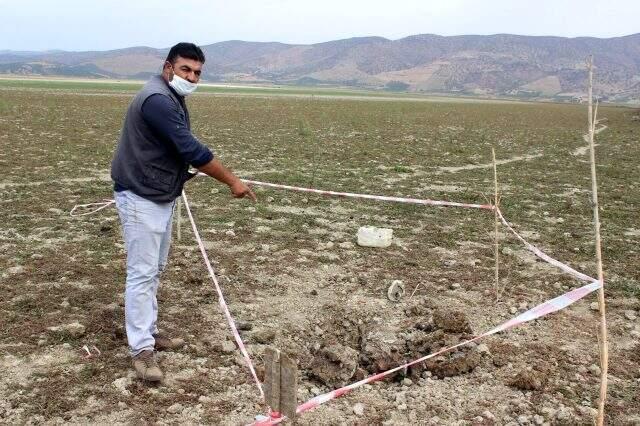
{"type": "Point", "coordinates": [143, 163]}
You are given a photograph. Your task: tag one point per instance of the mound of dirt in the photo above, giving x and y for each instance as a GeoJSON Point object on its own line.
{"type": "Point", "coordinates": [352, 348]}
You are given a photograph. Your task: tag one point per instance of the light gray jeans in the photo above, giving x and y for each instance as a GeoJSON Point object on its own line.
{"type": "Point", "coordinates": [146, 229]}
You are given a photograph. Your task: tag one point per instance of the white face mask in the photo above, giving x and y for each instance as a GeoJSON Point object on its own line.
{"type": "Point", "coordinates": [181, 86]}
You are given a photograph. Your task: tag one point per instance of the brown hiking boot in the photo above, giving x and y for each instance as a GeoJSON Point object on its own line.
{"type": "Point", "coordinates": [164, 342]}
{"type": "Point", "coordinates": [146, 366]}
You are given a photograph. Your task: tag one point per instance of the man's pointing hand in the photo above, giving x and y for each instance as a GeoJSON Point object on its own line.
{"type": "Point", "coordinates": [240, 190]}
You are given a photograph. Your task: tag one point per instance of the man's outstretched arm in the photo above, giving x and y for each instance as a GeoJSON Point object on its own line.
{"type": "Point", "coordinates": [216, 170]}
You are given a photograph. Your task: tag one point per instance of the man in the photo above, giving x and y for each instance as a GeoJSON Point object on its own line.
{"type": "Point", "coordinates": [149, 169]}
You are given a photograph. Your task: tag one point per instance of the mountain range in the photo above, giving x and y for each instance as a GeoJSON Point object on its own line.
{"type": "Point", "coordinates": [492, 65]}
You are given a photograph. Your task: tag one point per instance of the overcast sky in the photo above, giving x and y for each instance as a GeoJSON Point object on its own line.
{"type": "Point", "coordinates": [102, 25]}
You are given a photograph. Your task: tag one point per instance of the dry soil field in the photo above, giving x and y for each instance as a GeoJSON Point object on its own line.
{"type": "Point", "coordinates": [294, 277]}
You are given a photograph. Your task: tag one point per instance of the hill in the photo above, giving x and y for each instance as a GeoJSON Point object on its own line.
{"type": "Point", "coordinates": [494, 65]}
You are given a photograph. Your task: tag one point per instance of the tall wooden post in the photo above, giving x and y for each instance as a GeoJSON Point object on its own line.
{"type": "Point", "coordinates": [604, 345]}
{"type": "Point", "coordinates": [495, 216]}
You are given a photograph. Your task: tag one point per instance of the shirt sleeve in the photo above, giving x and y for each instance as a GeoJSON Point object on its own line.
{"type": "Point", "coordinates": [164, 119]}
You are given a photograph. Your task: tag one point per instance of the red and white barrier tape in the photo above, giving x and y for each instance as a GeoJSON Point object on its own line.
{"type": "Point", "coordinates": [372, 197]}
{"type": "Point", "coordinates": [423, 202]}
{"type": "Point", "coordinates": [542, 255]}
{"type": "Point", "coordinates": [539, 311]}
{"type": "Point", "coordinates": [221, 301]}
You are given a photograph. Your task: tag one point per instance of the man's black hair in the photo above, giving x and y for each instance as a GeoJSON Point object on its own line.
{"type": "Point", "coordinates": [187, 51]}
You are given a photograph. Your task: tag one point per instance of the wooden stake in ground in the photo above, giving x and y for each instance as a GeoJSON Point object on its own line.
{"type": "Point", "coordinates": [288, 388]}
{"type": "Point", "coordinates": [495, 210]}
{"type": "Point", "coordinates": [272, 378]}
{"type": "Point", "coordinates": [281, 383]}
{"type": "Point", "coordinates": [604, 347]}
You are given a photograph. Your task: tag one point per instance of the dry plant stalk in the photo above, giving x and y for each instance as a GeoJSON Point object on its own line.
{"type": "Point", "coordinates": [414, 290]}
{"type": "Point", "coordinates": [495, 235]}
{"type": "Point", "coordinates": [602, 337]}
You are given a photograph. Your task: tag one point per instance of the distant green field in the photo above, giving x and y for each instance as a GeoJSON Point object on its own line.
{"type": "Point", "coordinates": [103, 86]}
{"type": "Point", "coordinates": [68, 84]}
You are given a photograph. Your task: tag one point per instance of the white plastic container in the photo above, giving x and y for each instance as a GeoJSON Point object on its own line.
{"type": "Point", "coordinates": [370, 236]}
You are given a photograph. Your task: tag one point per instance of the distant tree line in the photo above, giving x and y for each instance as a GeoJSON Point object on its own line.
{"type": "Point", "coordinates": [396, 86]}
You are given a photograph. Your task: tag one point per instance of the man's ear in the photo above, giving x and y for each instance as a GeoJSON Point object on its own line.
{"type": "Point", "coordinates": [167, 70]}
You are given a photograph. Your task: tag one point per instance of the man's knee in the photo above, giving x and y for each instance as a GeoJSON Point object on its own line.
{"type": "Point", "coordinates": [141, 277]}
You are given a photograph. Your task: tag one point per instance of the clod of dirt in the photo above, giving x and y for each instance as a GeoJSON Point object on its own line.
{"type": "Point", "coordinates": [421, 343]}
{"type": "Point", "coordinates": [264, 336]}
{"type": "Point", "coordinates": [361, 374]}
{"type": "Point", "coordinates": [382, 350]}
{"type": "Point", "coordinates": [244, 325]}
{"type": "Point", "coordinates": [175, 408]}
{"type": "Point", "coordinates": [528, 380]}
{"type": "Point", "coordinates": [228, 347]}
{"type": "Point", "coordinates": [460, 362]}
{"type": "Point", "coordinates": [335, 364]}
{"type": "Point", "coordinates": [503, 353]}
{"type": "Point", "coordinates": [451, 321]}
